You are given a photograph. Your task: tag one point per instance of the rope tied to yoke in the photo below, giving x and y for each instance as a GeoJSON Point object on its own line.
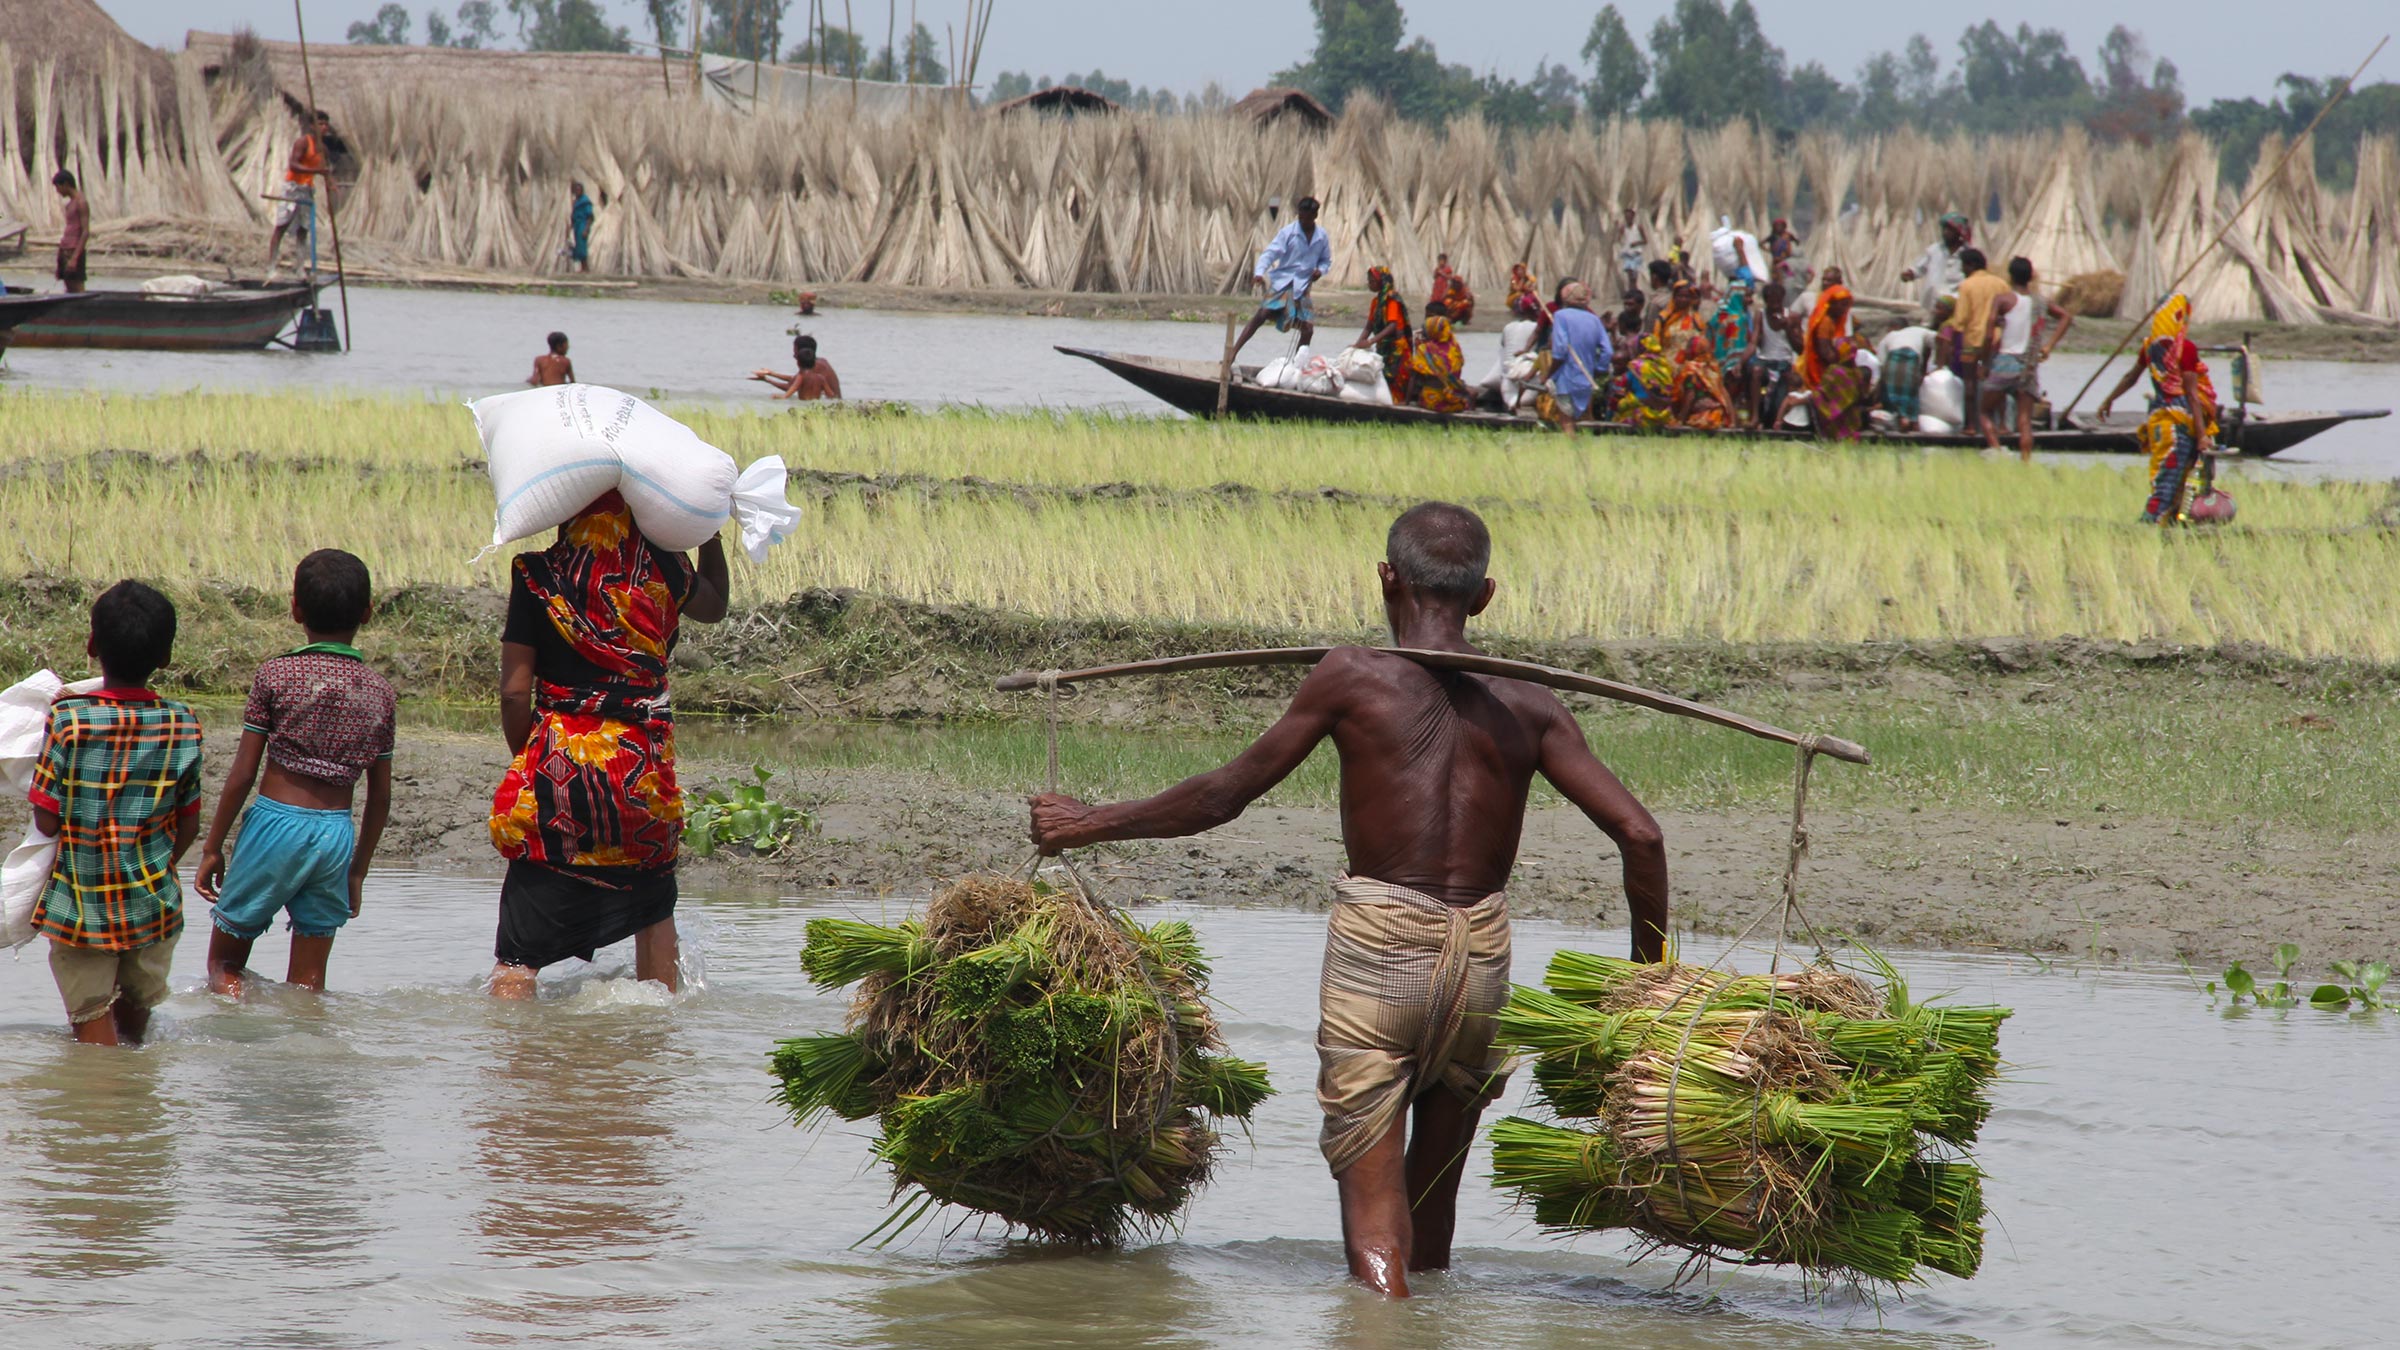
{"type": "Point", "coordinates": [1807, 748]}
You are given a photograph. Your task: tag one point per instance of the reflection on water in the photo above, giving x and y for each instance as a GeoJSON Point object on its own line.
{"type": "Point", "coordinates": [403, 1162]}
{"type": "Point", "coordinates": [96, 1151]}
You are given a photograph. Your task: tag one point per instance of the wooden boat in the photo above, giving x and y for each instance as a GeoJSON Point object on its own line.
{"type": "Point", "coordinates": [243, 318]}
{"type": "Point", "coordinates": [17, 308]}
{"type": "Point", "coordinates": [1192, 387]}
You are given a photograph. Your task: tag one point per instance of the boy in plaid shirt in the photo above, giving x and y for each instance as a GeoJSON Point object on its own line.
{"type": "Point", "coordinates": [119, 784]}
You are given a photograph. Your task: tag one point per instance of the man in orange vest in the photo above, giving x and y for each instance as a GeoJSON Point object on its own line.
{"type": "Point", "coordinates": [296, 211]}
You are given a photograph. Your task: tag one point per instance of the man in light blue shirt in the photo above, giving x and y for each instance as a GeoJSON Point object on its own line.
{"type": "Point", "coordinates": [1579, 351]}
{"type": "Point", "coordinates": [1298, 255]}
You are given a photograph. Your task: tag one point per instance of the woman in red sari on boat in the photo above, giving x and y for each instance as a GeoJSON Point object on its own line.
{"type": "Point", "coordinates": [1522, 285]}
{"type": "Point", "coordinates": [589, 814]}
{"type": "Point", "coordinates": [1700, 400]}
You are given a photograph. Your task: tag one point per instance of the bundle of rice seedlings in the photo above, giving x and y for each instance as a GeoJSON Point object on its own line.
{"type": "Point", "coordinates": [1027, 1053]}
{"type": "Point", "coordinates": [1807, 1118]}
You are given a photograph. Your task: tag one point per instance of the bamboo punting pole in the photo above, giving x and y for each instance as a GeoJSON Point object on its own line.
{"type": "Point", "coordinates": [333, 224]}
{"type": "Point", "coordinates": [1473, 663]}
{"type": "Point", "coordinates": [1225, 369]}
{"type": "Point", "coordinates": [2159, 302]}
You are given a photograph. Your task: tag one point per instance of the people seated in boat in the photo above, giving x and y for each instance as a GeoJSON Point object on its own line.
{"type": "Point", "coordinates": [1906, 353]}
{"type": "Point", "coordinates": [1290, 267]}
{"type": "Point", "coordinates": [1833, 386]}
{"type": "Point", "coordinates": [1646, 396]}
{"type": "Point", "coordinates": [1662, 290]}
{"type": "Point", "coordinates": [1514, 370]}
{"type": "Point", "coordinates": [552, 366]}
{"type": "Point", "coordinates": [1580, 356]}
{"type": "Point", "coordinates": [1450, 292]}
{"type": "Point", "coordinates": [2182, 423]}
{"type": "Point", "coordinates": [813, 380]}
{"type": "Point", "coordinates": [1679, 322]}
{"type": "Point", "coordinates": [1772, 361]}
{"type": "Point", "coordinates": [1386, 331]}
{"type": "Point", "coordinates": [1435, 365]}
{"type": "Point", "coordinates": [1522, 285]}
{"type": "Point", "coordinates": [1701, 401]}
{"type": "Point", "coordinates": [1733, 340]}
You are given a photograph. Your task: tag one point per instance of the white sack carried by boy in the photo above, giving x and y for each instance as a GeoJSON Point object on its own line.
{"type": "Point", "coordinates": [554, 451]}
{"type": "Point", "coordinates": [24, 725]}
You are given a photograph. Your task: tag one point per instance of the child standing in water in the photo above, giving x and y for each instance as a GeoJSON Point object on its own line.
{"type": "Point", "coordinates": [119, 784]}
{"type": "Point", "coordinates": [552, 366]}
{"type": "Point", "coordinates": [320, 719]}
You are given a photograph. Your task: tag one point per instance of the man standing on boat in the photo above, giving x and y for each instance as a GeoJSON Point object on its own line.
{"type": "Point", "coordinates": [1296, 257]}
{"type": "Point", "coordinates": [1436, 766]}
{"type": "Point", "coordinates": [1580, 355]}
{"type": "Point", "coordinates": [296, 213]}
{"type": "Point", "coordinates": [75, 237]}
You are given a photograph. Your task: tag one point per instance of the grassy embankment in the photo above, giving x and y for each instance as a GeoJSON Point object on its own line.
{"type": "Point", "coordinates": [1845, 590]}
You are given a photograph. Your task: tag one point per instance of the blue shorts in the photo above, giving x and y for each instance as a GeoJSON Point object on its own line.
{"type": "Point", "coordinates": [1288, 309]}
{"type": "Point", "coordinates": [287, 857]}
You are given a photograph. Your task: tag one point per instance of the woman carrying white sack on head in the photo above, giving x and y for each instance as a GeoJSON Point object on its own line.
{"type": "Point", "coordinates": [589, 814]}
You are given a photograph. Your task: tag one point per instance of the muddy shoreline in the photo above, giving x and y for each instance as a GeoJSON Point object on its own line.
{"type": "Point", "coordinates": [2104, 888]}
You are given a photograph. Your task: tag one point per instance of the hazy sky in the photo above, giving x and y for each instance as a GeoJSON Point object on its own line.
{"type": "Point", "coordinates": [2223, 50]}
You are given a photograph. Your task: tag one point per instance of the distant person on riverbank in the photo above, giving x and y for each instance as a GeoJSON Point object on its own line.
{"type": "Point", "coordinates": [1294, 260]}
{"type": "Point", "coordinates": [320, 719]}
{"type": "Point", "coordinates": [813, 380]}
{"type": "Point", "coordinates": [1633, 244]}
{"type": "Point", "coordinates": [75, 237]}
{"type": "Point", "coordinates": [295, 214]}
{"type": "Point", "coordinates": [589, 815]}
{"type": "Point", "coordinates": [1435, 769]}
{"type": "Point", "coordinates": [579, 229]}
{"type": "Point", "coordinates": [118, 783]}
{"type": "Point", "coordinates": [553, 367]}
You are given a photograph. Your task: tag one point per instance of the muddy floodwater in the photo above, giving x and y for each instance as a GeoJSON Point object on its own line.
{"type": "Point", "coordinates": [471, 343]}
{"type": "Point", "coordinates": [404, 1162]}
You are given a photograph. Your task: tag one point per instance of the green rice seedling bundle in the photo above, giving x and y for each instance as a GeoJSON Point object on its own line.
{"type": "Point", "coordinates": [1027, 1053]}
{"type": "Point", "coordinates": [1806, 1118]}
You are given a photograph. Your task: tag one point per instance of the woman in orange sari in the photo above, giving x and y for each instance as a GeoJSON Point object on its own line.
{"type": "Point", "coordinates": [1833, 385]}
{"type": "Point", "coordinates": [1522, 285]}
{"type": "Point", "coordinates": [1679, 322]}
{"type": "Point", "coordinates": [1434, 368]}
{"type": "Point", "coordinates": [1386, 332]}
{"type": "Point", "coordinates": [589, 815]}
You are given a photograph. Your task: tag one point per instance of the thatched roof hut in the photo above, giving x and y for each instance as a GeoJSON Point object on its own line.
{"type": "Point", "coordinates": [1268, 106]}
{"type": "Point", "coordinates": [79, 38]}
{"type": "Point", "coordinates": [344, 72]}
{"type": "Point", "coordinates": [1065, 99]}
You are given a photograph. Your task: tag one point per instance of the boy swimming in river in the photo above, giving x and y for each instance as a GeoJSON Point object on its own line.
{"type": "Point", "coordinates": [553, 367]}
{"type": "Point", "coordinates": [321, 720]}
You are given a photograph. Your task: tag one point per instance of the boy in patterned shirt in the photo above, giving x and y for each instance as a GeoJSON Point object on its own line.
{"type": "Point", "coordinates": [321, 720]}
{"type": "Point", "coordinates": [119, 784]}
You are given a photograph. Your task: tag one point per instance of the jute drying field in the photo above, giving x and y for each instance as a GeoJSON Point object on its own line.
{"type": "Point", "coordinates": [1151, 520]}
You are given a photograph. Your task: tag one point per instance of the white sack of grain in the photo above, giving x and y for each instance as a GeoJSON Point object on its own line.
{"type": "Point", "coordinates": [1316, 376]}
{"type": "Point", "coordinates": [24, 724]}
{"type": "Point", "coordinates": [1943, 397]}
{"type": "Point", "coordinates": [554, 451]}
{"type": "Point", "coordinates": [1270, 375]}
{"type": "Point", "coordinates": [1721, 249]}
{"type": "Point", "coordinates": [1935, 426]}
{"type": "Point", "coordinates": [1361, 371]}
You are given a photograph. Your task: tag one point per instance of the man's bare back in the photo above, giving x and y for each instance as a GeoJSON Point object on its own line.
{"type": "Point", "coordinates": [551, 368]}
{"type": "Point", "coordinates": [1436, 768]}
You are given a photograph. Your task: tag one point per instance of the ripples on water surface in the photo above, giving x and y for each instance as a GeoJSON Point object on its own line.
{"type": "Point", "coordinates": [471, 343]}
{"type": "Point", "coordinates": [405, 1162]}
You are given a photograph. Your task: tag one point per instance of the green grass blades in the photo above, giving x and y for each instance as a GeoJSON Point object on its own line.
{"type": "Point", "coordinates": [1809, 1117]}
{"type": "Point", "coordinates": [841, 952]}
{"type": "Point", "coordinates": [1029, 1054]}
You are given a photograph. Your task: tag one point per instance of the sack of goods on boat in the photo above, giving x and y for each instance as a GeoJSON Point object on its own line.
{"type": "Point", "coordinates": [1942, 398]}
{"type": "Point", "coordinates": [1361, 372]}
{"type": "Point", "coordinates": [1806, 1118]}
{"type": "Point", "coordinates": [1723, 253]}
{"type": "Point", "coordinates": [552, 452]}
{"type": "Point", "coordinates": [1026, 1052]}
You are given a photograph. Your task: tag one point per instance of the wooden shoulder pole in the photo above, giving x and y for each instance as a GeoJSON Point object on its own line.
{"type": "Point", "coordinates": [1225, 369]}
{"type": "Point", "coordinates": [1474, 663]}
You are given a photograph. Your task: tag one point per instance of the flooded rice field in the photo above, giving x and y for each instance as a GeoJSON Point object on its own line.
{"type": "Point", "coordinates": [404, 1162]}
{"type": "Point", "coordinates": [472, 343]}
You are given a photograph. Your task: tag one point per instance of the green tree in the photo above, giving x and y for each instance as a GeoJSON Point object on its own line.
{"type": "Point", "coordinates": [666, 20]}
{"type": "Point", "coordinates": [845, 52]}
{"type": "Point", "coordinates": [1010, 84]}
{"type": "Point", "coordinates": [1550, 98]}
{"type": "Point", "coordinates": [1813, 97]}
{"type": "Point", "coordinates": [389, 28]}
{"type": "Point", "coordinates": [1619, 70]}
{"type": "Point", "coordinates": [1711, 65]}
{"type": "Point", "coordinates": [574, 26]}
{"type": "Point", "coordinates": [1359, 49]}
{"type": "Point", "coordinates": [478, 24]}
{"type": "Point", "coordinates": [2140, 99]}
{"type": "Point", "coordinates": [921, 59]}
{"type": "Point", "coordinates": [751, 30]}
{"type": "Point", "coordinates": [437, 29]}
{"type": "Point", "coordinates": [2030, 79]}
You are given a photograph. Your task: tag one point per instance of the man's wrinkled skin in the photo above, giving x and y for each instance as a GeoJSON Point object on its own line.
{"type": "Point", "coordinates": [1436, 767]}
